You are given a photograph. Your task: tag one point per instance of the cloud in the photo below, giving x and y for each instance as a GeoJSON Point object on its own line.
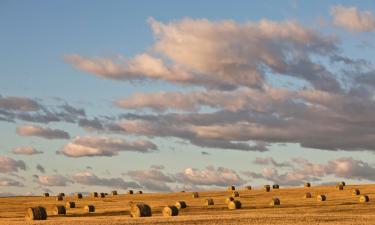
{"type": "Point", "coordinates": [22, 104]}
{"type": "Point", "coordinates": [88, 178]}
{"type": "Point", "coordinates": [301, 170]}
{"type": "Point", "coordinates": [44, 132]}
{"type": "Point", "coordinates": [352, 19]}
{"type": "Point", "coordinates": [26, 150]}
{"type": "Point", "coordinates": [8, 165]}
{"type": "Point", "coordinates": [53, 180]}
{"type": "Point", "coordinates": [90, 146]}
{"type": "Point", "coordinates": [153, 179]}
{"type": "Point", "coordinates": [221, 54]}
{"type": "Point", "coordinates": [40, 168]}
{"type": "Point", "coordinates": [210, 176]}
{"type": "Point", "coordinates": [94, 124]}
{"type": "Point", "coordinates": [270, 161]}
{"type": "Point", "coordinates": [9, 182]}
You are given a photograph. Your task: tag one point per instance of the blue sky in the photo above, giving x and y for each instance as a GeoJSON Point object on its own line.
{"type": "Point", "coordinates": [39, 38]}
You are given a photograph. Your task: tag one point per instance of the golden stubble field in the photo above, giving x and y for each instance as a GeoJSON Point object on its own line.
{"type": "Point", "coordinates": [340, 208]}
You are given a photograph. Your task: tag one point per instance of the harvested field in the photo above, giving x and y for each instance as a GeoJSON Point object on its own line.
{"type": "Point", "coordinates": [341, 207]}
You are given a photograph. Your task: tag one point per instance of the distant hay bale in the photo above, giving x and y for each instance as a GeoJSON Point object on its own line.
{"type": "Point", "coordinates": [170, 211]}
{"type": "Point", "coordinates": [236, 204]}
{"type": "Point", "coordinates": [59, 210]}
{"type": "Point", "coordinates": [340, 187]}
{"type": "Point", "coordinates": [102, 195]}
{"type": "Point", "coordinates": [130, 192]}
{"type": "Point", "coordinates": [275, 186]}
{"type": "Point", "coordinates": [89, 208]}
{"type": "Point", "coordinates": [209, 201]}
{"type": "Point", "coordinates": [229, 199]}
{"type": "Point", "coordinates": [275, 201]}
{"type": "Point", "coordinates": [356, 192]}
{"type": "Point", "coordinates": [139, 192]}
{"type": "Point", "coordinates": [70, 205]}
{"type": "Point", "coordinates": [235, 194]}
{"type": "Point", "coordinates": [248, 187]}
{"type": "Point", "coordinates": [195, 195]}
{"type": "Point", "coordinates": [59, 198]}
{"type": "Point", "coordinates": [341, 183]}
{"type": "Point", "coordinates": [307, 195]}
{"type": "Point", "coordinates": [62, 194]}
{"type": "Point", "coordinates": [46, 194]}
{"type": "Point", "coordinates": [267, 188]}
{"type": "Point", "coordinates": [78, 195]}
{"type": "Point", "coordinates": [140, 210]}
{"type": "Point", "coordinates": [114, 192]}
{"type": "Point", "coordinates": [307, 184]}
{"type": "Point", "coordinates": [364, 198]}
{"type": "Point", "coordinates": [94, 194]}
{"type": "Point", "coordinates": [181, 204]}
{"type": "Point", "coordinates": [36, 213]}
{"type": "Point", "coordinates": [321, 198]}
{"type": "Point", "coordinates": [231, 188]}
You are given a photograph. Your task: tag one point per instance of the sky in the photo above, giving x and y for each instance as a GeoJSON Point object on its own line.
{"type": "Point", "coordinates": [193, 95]}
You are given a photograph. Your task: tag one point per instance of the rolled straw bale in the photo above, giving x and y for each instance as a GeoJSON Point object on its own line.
{"type": "Point", "coordinates": [170, 211]}
{"type": "Point", "coordinates": [89, 208]}
{"type": "Point", "coordinates": [181, 204]}
{"type": "Point", "coordinates": [236, 204]}
{"type": "Point", "coordinates": [140, 210]}
{"type": "Point", "coordinates": [59, 210]}
{"type": "Point", "coordinates": [36, 213]}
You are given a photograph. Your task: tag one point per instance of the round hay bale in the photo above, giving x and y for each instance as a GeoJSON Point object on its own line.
{"type": "Point", "coordinates": [62, 194]}
{"type": "Point", "coordinates": [130, 192]}
{"type": "Point", "coordinates": [307, 195]}
{"type": "Point", "coordinates": [209, 201]}
{"type": "Point", "coordinates": [181, 204]}
{"type": "Point", "coordinates": [307, 184]}
{"type": "Point", "coordinates": [356, 192]}
{"type": "Point", "coordinates": [364, 198]}
{"type": "Point", "coordinates": [89, 208]}
{"type": "Point", "coordinates": [59, 210]}
{"type": "Point", "coordinates": [275, 201]}
{"type": "Point", "coordinates": [170, 211]}
{"type": "Point", "coordinates": [78, 195]}
{"type": "Point", "coordinates": [195, 195]}
{"type": "Point", "coordinates": [102, 195]}
{"type": "Point", "coordinates": [235, 194]}
{"type": "Point", "coordinates": [94, 194]}
{"type": "Point", "coordinates": [70, 205]}
{"type": "Point", "coordinates": [36, 213]}
{"type": "Point", "coordinates": [59, 198]}
{"type": "Point", "coordinates": [140, 210]}
{"type": "Point", "coordinates": [231, 188]}
{"type": "Point", "coordinates": [267, 188]}
{"type": "Point", "coordinates": [236, 204]}
{"type": "Point", "coordinates": [321, 198]}
{"type": "Point", "coordinates": [275, 186]}
{"type": "Point", "coordinates": [248, 188]}
{"type": "Point", "coordinates": [114, 193]}
{"type": "Point", "coordinates": [341, 183]}
{"type": "Point", "coordinates": [340, 187]}
{"type": "Point", "coordinates": [139, 192]}
{"type": "Point", "coordinates": [46, 194]}
{"type": "Point", "coordinates": [229, 199]}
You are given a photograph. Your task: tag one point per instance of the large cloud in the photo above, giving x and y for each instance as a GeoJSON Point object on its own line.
{"type": "Point", "coordinates": [222, 54]}
{"type": "Point", "coordinates": [8, 165]}
{"type": "Point", "coordinates": [152, 179]}
{"type": "Point", "coordinates": [88, 178]}
{"type": "Point", "coordinates": [44, 132]}
{"type": "Point", "coordinates": [352, 19]}
{"type": "Point", "coordinates": [104, 146]}
{"type": "Point", "coordinates": [26, 150]}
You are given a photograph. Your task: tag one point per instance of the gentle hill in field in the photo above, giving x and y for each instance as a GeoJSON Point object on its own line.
{"type": "Point", "coordinates": [340, 207]}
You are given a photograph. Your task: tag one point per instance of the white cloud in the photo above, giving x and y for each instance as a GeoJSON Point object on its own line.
{"type": "Point", "coordinates": [43, 132]}
{"type": "Point", "coordinates": [90, 146]}
{"type": "Point", "coordinates": [53, 180]}
{"type": "Point", "coordinates": [352, 19]}
{"type": "Point", "coordinates": [26, 150]}
{"type": "Point", "coordinates": [8, 165]}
